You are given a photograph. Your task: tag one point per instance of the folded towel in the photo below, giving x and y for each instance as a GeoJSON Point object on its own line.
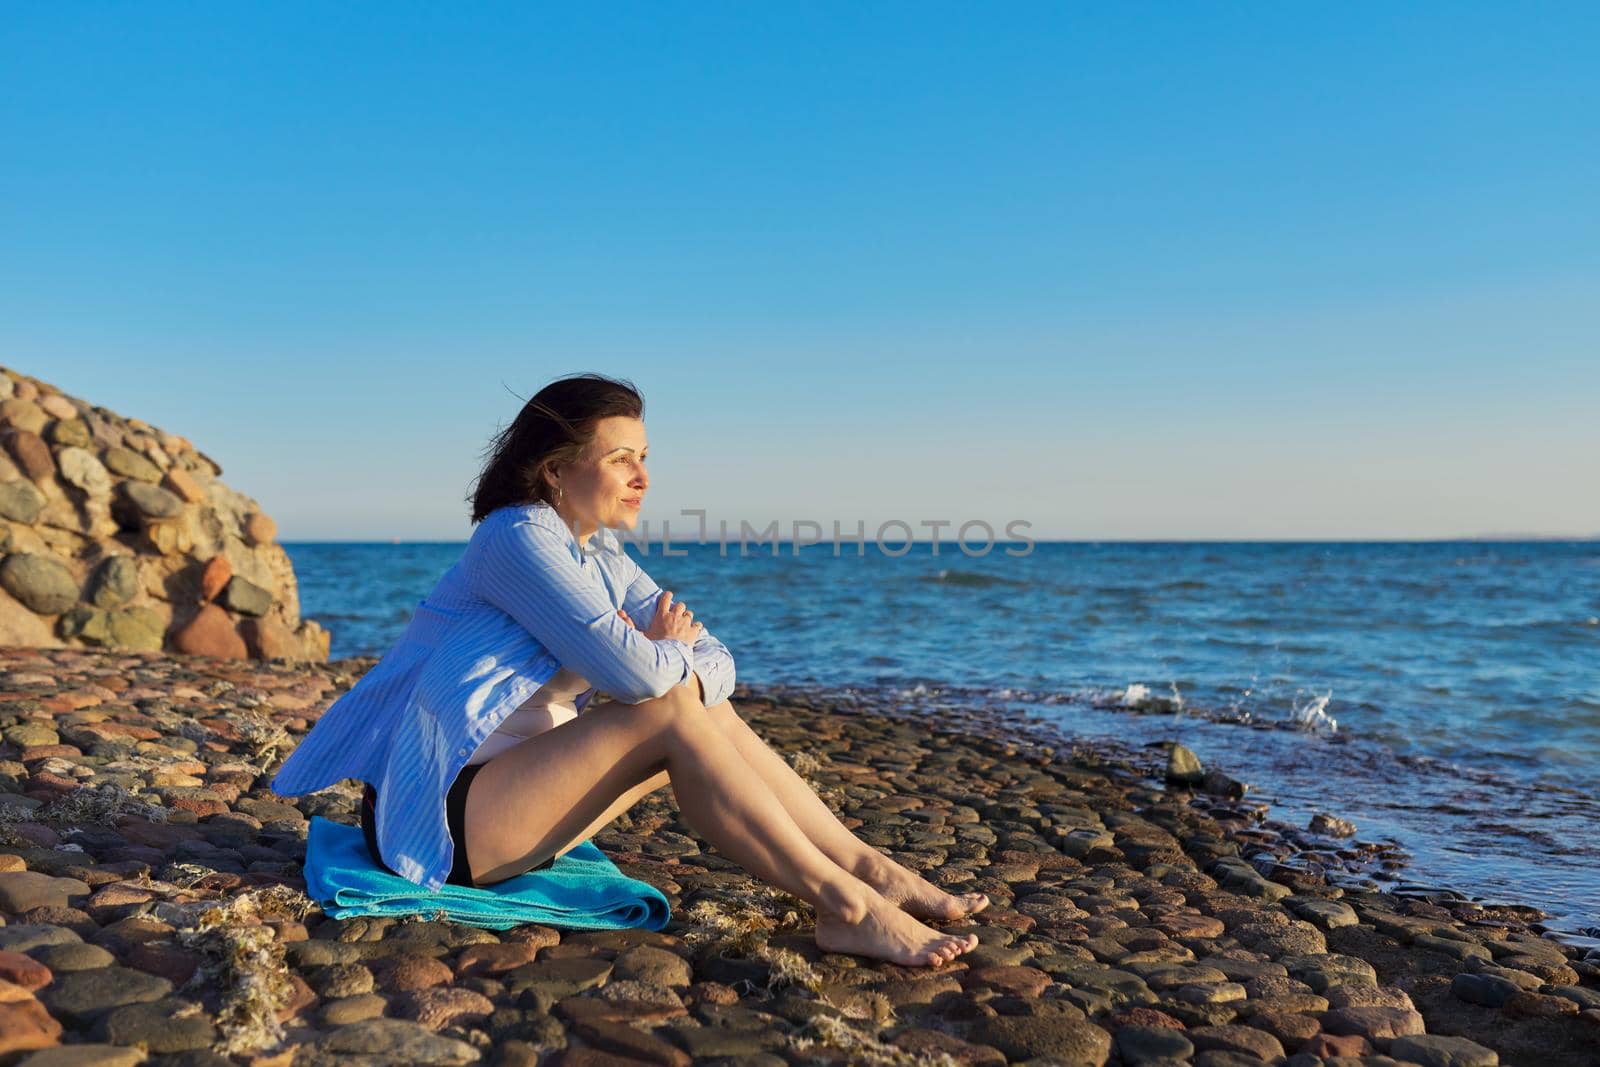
{"type": "Point", "coordinates": [583, 889]}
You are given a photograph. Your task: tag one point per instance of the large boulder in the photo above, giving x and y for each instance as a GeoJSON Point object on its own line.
{"type": "Point", "coordinates": [116, 534]}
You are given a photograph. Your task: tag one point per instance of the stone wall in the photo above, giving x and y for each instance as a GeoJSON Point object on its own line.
{"type": "Point", "coordinates": [116, 534]}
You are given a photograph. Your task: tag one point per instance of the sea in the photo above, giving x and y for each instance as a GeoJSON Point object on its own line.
{"type": "Point", "coordinates": [1443, 696]}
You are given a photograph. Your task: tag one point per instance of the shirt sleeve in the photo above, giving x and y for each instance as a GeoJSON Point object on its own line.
{"type": "Point", "coordinates": [528, 571]}
{"type": "Point", "coordinates": [712, 660]}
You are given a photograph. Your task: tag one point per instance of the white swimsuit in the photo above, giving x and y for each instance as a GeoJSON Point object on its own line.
{"type": "Point", "coordinates": [556, 702]}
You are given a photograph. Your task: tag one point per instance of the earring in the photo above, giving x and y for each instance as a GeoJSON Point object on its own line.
{"type": "Point", "coordinates": [559, 494]}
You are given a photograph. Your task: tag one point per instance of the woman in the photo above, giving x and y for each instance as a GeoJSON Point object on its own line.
{"type": "Point", "coordinates": [469, 730]}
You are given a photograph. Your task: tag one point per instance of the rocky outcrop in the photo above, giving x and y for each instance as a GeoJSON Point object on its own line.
{"type": "Point", "coordinates": [116, 534]}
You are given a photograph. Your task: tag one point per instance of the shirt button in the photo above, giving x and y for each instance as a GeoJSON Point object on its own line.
{"type": "Point", "coordinates": [461, 752]}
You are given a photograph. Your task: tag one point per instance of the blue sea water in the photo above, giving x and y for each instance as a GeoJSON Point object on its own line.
{"type": "Point", "coordinates": [1443, 695]}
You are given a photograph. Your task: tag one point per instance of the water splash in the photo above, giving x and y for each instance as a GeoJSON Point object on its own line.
{"type": "Point", "coordinates": [1136, 695]}
{"type": "Point", "coordinates": [1313, 714]}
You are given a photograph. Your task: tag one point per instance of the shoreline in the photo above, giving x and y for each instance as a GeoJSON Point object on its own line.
{"type": "Point", "coordinates": [1124, 924]}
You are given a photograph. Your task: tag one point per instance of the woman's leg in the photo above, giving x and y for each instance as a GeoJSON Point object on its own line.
{"type": "Point", "coordinates": [818, 822]}
{"type": "Point", "coordinates": [533, 800]}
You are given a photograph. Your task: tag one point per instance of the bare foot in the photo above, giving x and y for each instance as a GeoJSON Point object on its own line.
{"type": "Point", "coordinates": [884, 932]}
{"type": "Point", "coordinates": [917, 895]}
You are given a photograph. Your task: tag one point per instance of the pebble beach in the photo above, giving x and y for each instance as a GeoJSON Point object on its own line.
{"type": "Point", "coordinates": [153, 907]}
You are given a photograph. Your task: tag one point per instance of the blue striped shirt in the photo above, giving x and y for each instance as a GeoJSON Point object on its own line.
{"type": "Point", "coordinates": [524, 600]}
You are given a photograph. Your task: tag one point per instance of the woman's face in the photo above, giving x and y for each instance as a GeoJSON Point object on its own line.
{"type": "Point", "coordinates": [606, 485]}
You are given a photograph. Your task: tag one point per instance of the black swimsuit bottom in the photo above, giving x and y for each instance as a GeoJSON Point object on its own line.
{"type": "Point", "coordinates": [455, 817]}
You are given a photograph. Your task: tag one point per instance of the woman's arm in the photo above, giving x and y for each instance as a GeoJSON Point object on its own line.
{"type": "Point", "coordinates": [528, 572]}
{"type": "Point", "coordinates": [712, 660]}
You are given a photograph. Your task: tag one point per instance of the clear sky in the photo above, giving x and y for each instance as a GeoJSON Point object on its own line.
{"type": "Point", "coordinates": [1119, 270]}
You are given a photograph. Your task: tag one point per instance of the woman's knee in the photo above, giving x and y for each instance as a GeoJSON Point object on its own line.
{"type": "Point", "coordinates": [678, 706]}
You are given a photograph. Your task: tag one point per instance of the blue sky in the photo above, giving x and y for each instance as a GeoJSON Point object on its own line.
{"type": "Point", "coordinates": [1142, 270]}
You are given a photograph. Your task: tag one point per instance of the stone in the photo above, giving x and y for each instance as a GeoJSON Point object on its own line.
{"type": "Point", "coordinates": [142, 628]}
{"type": "Point", "coordinates": [1015, 981]}
{"type": "Point", "coordinates": [57, 406]}
{"type": "Point", "coordinates": [1328, 914]}
{"type": "Point", "coordinates": [1489, 990]}
{"type": "Point", "coordinates": [81, 469]}
{"type": "Point", "coordinates": [1541, 1006]}
{"type": "Point", "coordinates": [23, 937]}
{"type": "Point", "coordinates": [559, 977]}
{"type": "Point", "coordinates": [246, 597]}
{"type": "Point", "coordinates": [88, 1055]}
{"type": "Point", "coordinates": [21, 628]}
{"type": "Point", "coordinates": [127, 463]}
{"type": "Point", "coordinates": [152, 501]}
{"type": "Point", "coordinates": [354, 1009]}
{"type": "Point", "coordinates": [1184, 767]}
{"type": "Point", "coordinates": [1059, 1039]}
{"type": "Point", "coordinates": [214, 576]}
{"type": "Point", "coordinates": [86, 624]}
{"type": "Point", "coordinates": [31, 453]}
{"type": "Point", "coordinates": [181, 484]}
{"type": "Point", "coordinates": [1437, 1050]}
{"type": "Point", "coordinates": [1373, 1023]}
{"type": "Point", "coordinates": [1148, 1044]}
{"type": "Point", "coordinates": [1327, 1046]}
{"type": "Point", "coordinates": [23, 971]}
{"type": "Point", "coordinates": [20, 502]}
{"type": "Point", "coordinates": [210, 633]}
{"type": "Point", "coordinates": [343, 980]}
{"type": "Point", "coordinates": [41, 583]}
{"type": "Point", "coordinates": [410, 971]}
{"type": "Point", "coordinates": [929, 1045]}
{"type": "Point", "coordinates": [82, 996]}
{"type": "Point", "coordinates": [259, 529]}
{"type": "Point", "coordinates": [169, 1025]}
{"type": "Point", "coordinates": [24, 1024]}
{"type": "Point", "coordinates": [23, 414]}
{"type": "Point", "coordinates": [654, 965]}
{"type": "Point", "coordinates": [69, 433]}
{"type": "Point", "coordinates": [1241, 1039]}
{"type": "Point", "coordinates": [1294, 938]}
{"type": "Point", "coordinates": [439, 1007]}
{"type": "Point", "coordinates": [73, 956]}
{"type": "Point", "coordinates": [397, 1041]}
{"type": "Point", "coordinates": [637, 1045]}
{"type": "Point", "coordinates": [24, 890]}
{"type": "Point", "coordinates": [114, 582]}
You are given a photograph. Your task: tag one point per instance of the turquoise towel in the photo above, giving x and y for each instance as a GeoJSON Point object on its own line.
{"type": "Point", "coordinates": [582, 890]}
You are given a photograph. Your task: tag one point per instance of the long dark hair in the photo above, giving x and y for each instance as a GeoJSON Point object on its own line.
{"type": "Point", "coordinates": [552, 428]}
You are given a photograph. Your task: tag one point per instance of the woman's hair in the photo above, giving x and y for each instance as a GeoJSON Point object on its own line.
{"type": "Point", "coordinates": [552, 428]}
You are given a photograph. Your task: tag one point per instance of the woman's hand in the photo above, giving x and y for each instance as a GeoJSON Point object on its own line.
{"type": "Point", "coordinates": [699, 686]}
{"type": "Point", "coordinates": [673, 622]}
